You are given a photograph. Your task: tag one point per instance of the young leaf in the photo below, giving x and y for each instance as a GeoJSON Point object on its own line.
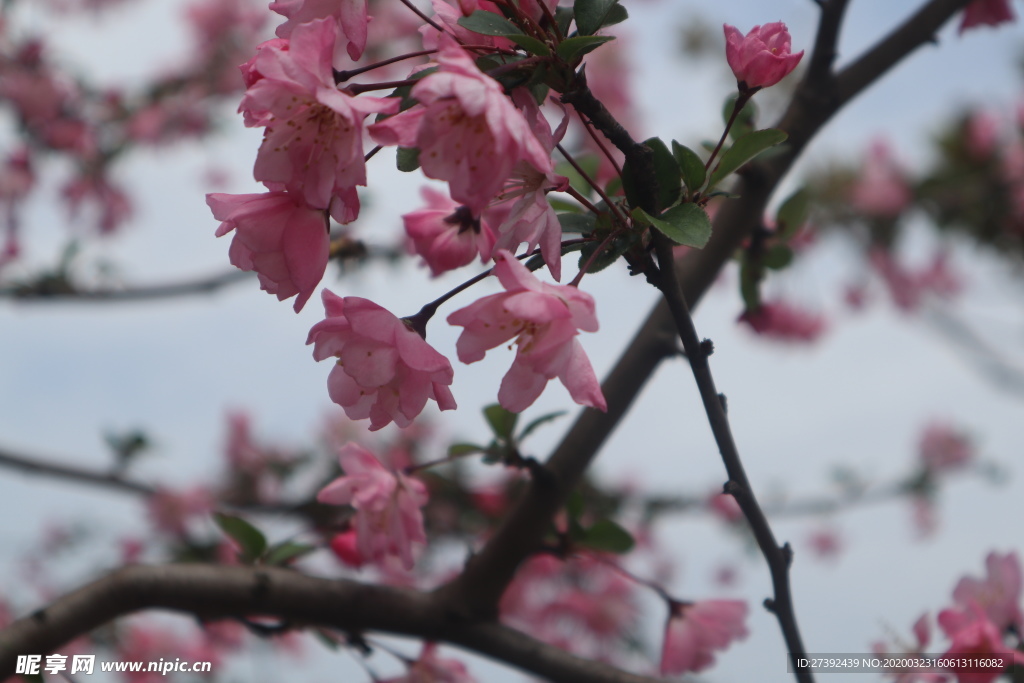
{"type": "Point", "coordinates": [457, 450]}
{"type": "Point", "coordinates": [283, 553]}
{"type": "Point", "coordinates": [582, 223]}
{"type": "Point", "coordinates": [686, 224]}
{"type": "Point", "coordinates": [563, 17]}
{"type": "Point", "coordinates": [792, 214]}
{"type": "Point", "coordinates": [692, 166]}
{"type": "Point", "coordinates": [750, 286]}
{"type": "Point", "coordinates": [528, 429]}
{"type": "Point", "coordinates": [608, 536]}
{"type": "Point", "coordinates": [489, 24]}
{"type": "Point", "coordinates": [502, 422]}
{"type": "Point", "coordinates": [531, 45]}
{"type": "Point", "coordinates": [591, 14]}
{"type": "Point", "coordinates": [250, 539]}
{"type": "Point", "coordinates": [616, 15]}
{"type": "Point", "coordinates": [777, 257]}
{"type": "Point", "coordinates": [743, 150]}
{"type": "Point", "coordinates": [408, 159]}
{"type": "Point", "coordinates": [611, 253]}
{"type": "Point", "coordinates": [572, 49]}
{"type": "Point", "coordinates": [666, 172]}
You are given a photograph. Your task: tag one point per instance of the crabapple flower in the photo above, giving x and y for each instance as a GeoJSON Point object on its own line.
{"type": "Point", "coordinates": [881, 191]}
{"type": "Point", "coordinates": [761, 58]}
{"type": "Point", "coordinates": [446, 234]}
{"type": "Point", "coordinates": [283, 240]}
{"type": "Point", "coordinates": [986, 13]}
{"type": "Point", "coordinates": [943, 448]}
{"type": "Point", "coordinates": [430, 668]}
{"type": "Point", "coordinates": [974, 635]}
{"type": "Point", "coordinates": [388, 519]}
{"type": "Point", "coordinates": [998, 594]}
{"type": "Point", "coordinates": [385, 370]}
{"type": "Point", "coordinates": [468, 132]}
{"type": "Point", "coordinates": [696, 630]}
{"type": "Point", "coordinates": [544, 321]}
{"type": "Point", "coordinates": [313, 144]}
{"type": "Point", "coordinates": [784, 322]}
{"type": "Point", "coordinates": [349, 15]}
{"type": "Point", "coordinates": [346, 548]}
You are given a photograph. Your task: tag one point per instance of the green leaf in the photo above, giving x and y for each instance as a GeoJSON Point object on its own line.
{"type": "Point", "coordinates": [611, 253]}
{"type": "Point", "coordinates": [666, 173]}
{"type": "Point", "coordinates": [563, 17]}
{"type": "Point", "coordinates": [528, 429]}
{"type": "Point", "coordinates": [743, 150]}
{"type": "Point", "coordinates": [250, 539]}
{"type": "Point", "coordinates": [575, 505]}
{"type": "Point", "coordinates": [531, 45]}
{"type": "Point", "coordinates": [281, 554]}
{"type": "Point", "coordinates": [563, 206]}
{"type": "Point", "coordinates": [750, 286]}
{"type": "Point", "coordinates": [792, 214]}
{"type": "Point", "coordinates": [609, 537]}
{"type": "Point", "coordinates": [692, 166]}
{"type": "Point", "coordinates": [457, 450]}
{"type": "Point", "coordinates": [589, 164]}
{"type": "Point", "coordinates": [777, 257]}
{"type": "Point", "coordinates": [502, 422]}
{"type": "Point", "coordinates": [408, 159]}
{"type": "Point", "coordinates": [489, 24]}
{"type": "Point", "coordinates": [686, 224]}
{"type": "Point", "coordinates": [571, 50]}
{"type": "Point", "coordinates": [616, 15]}
{"type": "Point", "coordinates": [582, 223]}
{"type": "Point", "coordinates": [590, 15]}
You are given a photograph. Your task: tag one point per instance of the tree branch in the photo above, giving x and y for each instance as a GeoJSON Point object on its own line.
{"type": "Point", "coordinates": [60, 288]}
{"type": "Point", "coordinates": [778, 557]}
{"type": "Point", "coordinates": [213, 592]}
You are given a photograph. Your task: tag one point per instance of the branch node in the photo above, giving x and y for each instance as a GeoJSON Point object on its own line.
{"type": "Point", "coordinates": [724, 402]}
{"type": "Point", "coordinates": [769, 605]}
{"type": "Point", "coordinates": [707, 347]}
{"type": "Point", "coordinates": [787, 554]}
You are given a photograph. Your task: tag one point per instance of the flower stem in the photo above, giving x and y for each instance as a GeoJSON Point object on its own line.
{"type": "Point", "coordinates": [741, 101]}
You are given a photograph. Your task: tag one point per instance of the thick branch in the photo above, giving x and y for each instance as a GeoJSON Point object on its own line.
{"type": "Point", "coordinates": [62, 289]}
{"type": "Point", "coordinates": [49, 468]}
{"type": "Point", "coordinates": [213, 592]}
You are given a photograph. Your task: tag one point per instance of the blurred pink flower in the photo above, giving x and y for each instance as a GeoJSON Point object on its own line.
{"type": "Point", "coordinates": [430, 668]}
{"type": "Point", "coordinates": [943, 448]}
{"type": "Point", "coordinates": [784, 322]}
{"type": "Point", "coordinates": [385, 370]}
{"type": "Point", "coordinates": [283, 240]}
{"type": "Point", "coordinates": [388, 520]}
{"type": "Point", "coordinates": [345, 547]}
{"type": "Point", "coordinates": [975, 636]}
{"type": "Point", "coordinates": [694, 631]}
{"type": "Point", "coordinates": [998, 594]}
{"type": "Point", "coordinates": [761, 58]}
{"type": "Point", "coordinates": [544, 321]}
{"type": "Point", "coordinates": [881, 191]}
{"type": "Point", "coordinates": [986, 13]}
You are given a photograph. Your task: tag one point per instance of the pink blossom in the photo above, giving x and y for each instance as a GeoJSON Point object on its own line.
{"type": "Point", "coordinates": [982, 132]}
{"type": "Point", "coordinates": [284, 241]}
{"type": "Point", "coordinates": [544, 321]}
{"type": "Point", "coordinates": [762, 58]}
{"type": "Point", "coordinates": [388, 520]}
{"type": "Point", "coordinates": [109, 203]}
{"type": "Point", "coordinates": [171, 511]}
{"type": "Point", "coordinates": [385, 370]}
{"type": "Point", "coordinates": [725, 507]}
{"type": "Point", "coordinates": [468, 132]}
{"type": "Point", "coordinates": [825, 542]}
{"type": "Point", "coordinates": [531, 218]}
{"type": "Point", "coordinates": [943, 448]}
{"type": "Point", "coordinates": [986, 13]}
{"type": "Point", "coordinates": [784, 322]}
{"type": "Point", "coordinates": [345, 547]}
{"type": "Point", "coordinates": [446, 234]}
{"type": "Point", "coordinates": [998, 594]}
{"type": "Point", "coordinates": [694, 631]}
{"type": "Point", "coordinates": [430, 668]}
{"type": "Point", "coordinates": [973, 635]}
{"type": "Point", "coordinates": [881, 191]}
{"type": "Point", "coordinates": [907, 287]}
{"type": "Point", "coordinates": [313, 144]}
{"type": "Point", "coordinates": [348, 15]}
